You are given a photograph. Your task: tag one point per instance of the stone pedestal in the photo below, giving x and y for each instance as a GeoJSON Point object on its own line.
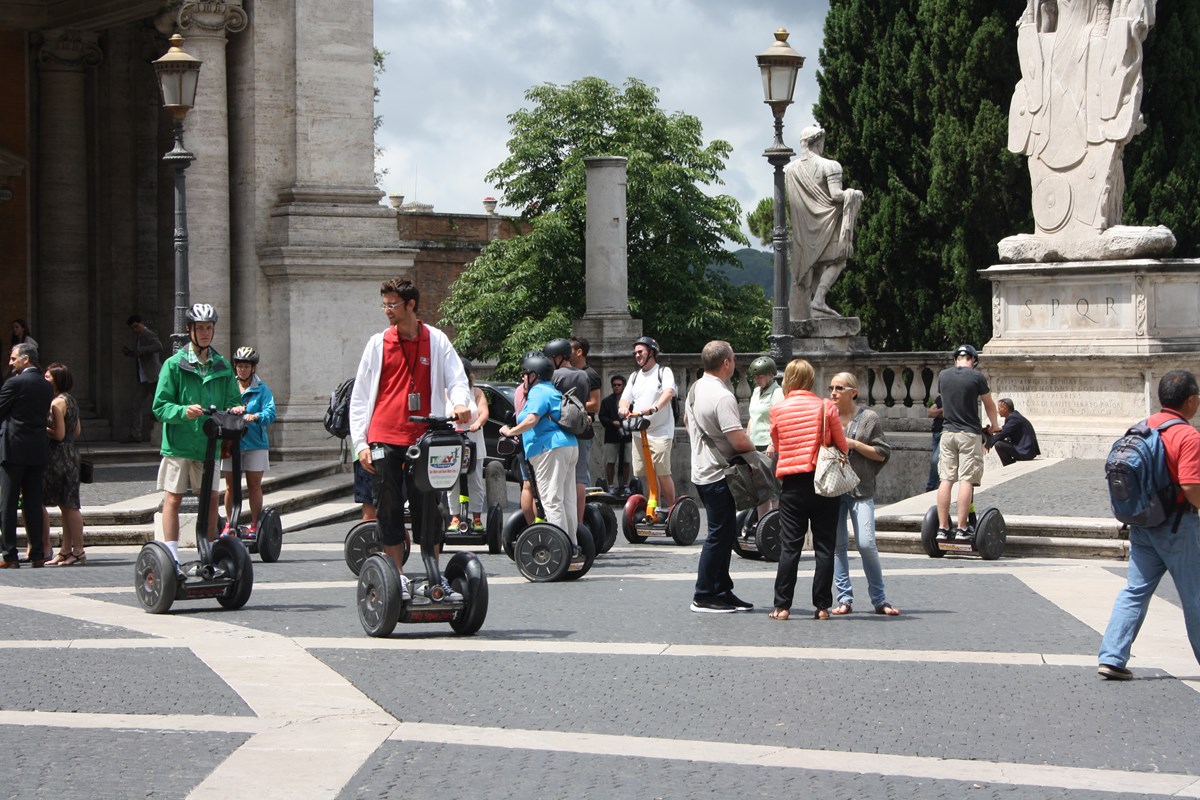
{"type": "Point", "coordinates": [828, 334]}
{"type": "Point", "coordinates": [1081, 346]}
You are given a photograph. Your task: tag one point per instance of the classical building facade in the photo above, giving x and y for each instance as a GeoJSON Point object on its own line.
{"type": "Point", "coordinates": [287, 236]}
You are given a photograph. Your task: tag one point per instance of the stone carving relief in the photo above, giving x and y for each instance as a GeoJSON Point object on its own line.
{"type": "Point", "coordinates": [202, 17]}
{"type": "Point", "coordinates": [69, 49]}
{"type": "Point", "coordinates": [1077, 105]}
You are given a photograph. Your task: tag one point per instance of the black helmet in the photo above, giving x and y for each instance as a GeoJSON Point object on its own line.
{"type": "Point", "coordinates": [763, 365]}
{"type": "Point", "coordinates": [468, 367]}
{"type": "Point", "coordinates": [649, 342]}
{"type": "Point", "coordinates": [201, 312]}
{"type": "Point", "coordinates": [557, 348]}
{"type": "Point", "coordinates": [247, 354]}
{"type": "Point", "coordinates": [967, 350]}
{"type": "Point", "coordinates": [538, 364]}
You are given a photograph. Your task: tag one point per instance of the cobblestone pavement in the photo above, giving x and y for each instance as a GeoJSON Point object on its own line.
{"type": "Point", "coordinates": [985, 687]}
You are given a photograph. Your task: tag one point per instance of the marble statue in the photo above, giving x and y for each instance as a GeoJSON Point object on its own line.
{"type": "Point", "coordinates": [1077, 105]}
{"type": "Point", "coordinates": [823, 215]}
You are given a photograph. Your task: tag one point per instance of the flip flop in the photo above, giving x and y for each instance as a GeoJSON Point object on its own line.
{"type": "Point", "coordinates": [842, 610]}
{"type": "Point", "coordinates": [779, 613]}
{"type": "Point", "coordinates": [821, 613]}
{"type": "Point", "coordinates": [888, 610]}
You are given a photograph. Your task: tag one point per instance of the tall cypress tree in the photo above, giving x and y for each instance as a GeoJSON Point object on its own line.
{"type": "Point", "coordinates": [915, 96]}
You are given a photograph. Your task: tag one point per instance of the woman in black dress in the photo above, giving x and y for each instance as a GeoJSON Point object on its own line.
{"type": "Point", "coordinates": [61, 478]}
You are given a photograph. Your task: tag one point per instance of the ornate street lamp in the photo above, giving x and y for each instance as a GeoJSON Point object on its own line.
{"type": "Point", "coordinates": [779, 64]}
{"type": "Point", "coordinates": [178, 74]}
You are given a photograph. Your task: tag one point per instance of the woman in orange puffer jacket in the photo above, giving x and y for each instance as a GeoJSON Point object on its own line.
{"type": "Point", "coordinates": [796, 437]}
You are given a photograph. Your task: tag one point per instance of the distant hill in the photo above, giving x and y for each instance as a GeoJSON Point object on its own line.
{"type": "Point", "coordinates": [758, 268]}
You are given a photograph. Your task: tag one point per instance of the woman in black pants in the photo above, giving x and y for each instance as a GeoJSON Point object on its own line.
{"type": "Point", "coordinates": [800, 424]}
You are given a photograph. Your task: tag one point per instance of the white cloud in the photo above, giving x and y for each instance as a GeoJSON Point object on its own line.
{"type": "Point", "coordinates": [457, 68]}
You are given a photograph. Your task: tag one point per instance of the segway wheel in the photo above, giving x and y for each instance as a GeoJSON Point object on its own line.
{"type": "Point", "coordinates": [990, 534]}
{"type": "Point", "coordinates": [929, 526]}
{"type": "Point", "coordinates": [378, 596]}
{"type": "Point", "coordinates": [766, 535]}
{"type": "Point", "coordinates": [683, 523]}
{"type": "Point", "coordinates": [511, 530]}
{"type": "Point", "coordinates": [465, 573]}
{"type": "Point", "coordinates": [231, 555]}
{"type": "Point", "coordinates": [543, 553]}
{"type": "Point", "coordinates": [363, 541]}
{"type": "Point", "coordinates": [270, 535]}
{"type": "Point", "coordinates": [635, 512]}
{"type": "Point", "coordinates": [610, 528]}
{"type": "Point", "coordinates": [594, 519]}
{"type": "Point", "coordinates": [588, 545]}
{"type": "Point", "coordinates": [742, 520]}
{"type": "Point", "coordinates": [494, 529]}
{"type": "Point", "coordinates": [154, 578]}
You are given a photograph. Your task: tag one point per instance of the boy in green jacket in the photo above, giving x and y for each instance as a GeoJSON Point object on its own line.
{"type": "Point", "coordinates": [190, 381]}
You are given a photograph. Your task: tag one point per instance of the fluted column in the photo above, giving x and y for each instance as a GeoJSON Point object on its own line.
{"type": "Point", "coordinates": [62, 327]}
{"type": "Point", "coordinates": [203, 25]}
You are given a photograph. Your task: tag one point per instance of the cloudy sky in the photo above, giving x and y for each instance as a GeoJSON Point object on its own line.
{"type": "Point", "coordinates": [456, 69]}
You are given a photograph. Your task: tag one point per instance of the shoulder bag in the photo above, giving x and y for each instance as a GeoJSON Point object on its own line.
{"type": "Point", "coordinates": [834, 476]}
{"type": "Point", "coordinates": [750, 475]}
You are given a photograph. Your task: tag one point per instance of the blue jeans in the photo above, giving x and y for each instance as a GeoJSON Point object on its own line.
{"type": "Point", "coordinates": [712, 574]}
{"type": "Point", "coordinates": [861, 512]}
{"type": "Point", "coordinates": [934, 481]}
{"type": "Point", "coordinates": [1152, 552]}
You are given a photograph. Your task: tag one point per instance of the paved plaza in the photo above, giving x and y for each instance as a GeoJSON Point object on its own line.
{"type": "Point", "coordinates": [985, 687]}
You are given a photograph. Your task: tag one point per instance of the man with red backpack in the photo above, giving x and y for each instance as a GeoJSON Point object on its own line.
{"type": "Point", "coordinates": [1172, 546]}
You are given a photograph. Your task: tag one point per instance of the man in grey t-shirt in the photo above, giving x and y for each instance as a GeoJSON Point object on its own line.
{"type": "Point", "coordinates": [714, 426]}
{"type": "Point", "coordinates": [960, 461]}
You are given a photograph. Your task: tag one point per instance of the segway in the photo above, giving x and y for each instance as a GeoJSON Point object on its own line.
{"type": "Point", "coordinates": [363, 540]}
{"type": "Point", "coordinates": [465, 532]}
{"type": "Point", "coordinates": [267, 540]}
{"type": "Point", "coordinates": [224, 570]}
{"type": "Point", "coordinates": [758, 539]}
{"type": "Point", "coordinates": [434, 464]}
{"type": "Point", "coordinates": [599, 512]}
{"type": "Point", "coordinates": [987, 541]}
{"type": "Point", "coordinates": [643, 517]}
{"type": "Point", "coordinates": [542, 551]}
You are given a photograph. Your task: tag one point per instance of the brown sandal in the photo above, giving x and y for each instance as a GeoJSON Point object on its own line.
{"type": "Point", "coordinates": [842, 610]}
{"type": "Point", "coordinates": [821, 613]}
{"type": "Point", "coordinates": [888, 610]}
{"type": "Point", "coordinates": [58, 559]}
{"type": "Point", "coordinates": [779, 613]}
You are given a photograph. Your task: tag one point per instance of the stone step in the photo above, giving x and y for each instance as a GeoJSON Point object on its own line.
{"type": "Point", "coordinates": [1035, 526]}
{"type": "Point", "coordinates": [141, 510]}
{"type": "Point", "coordinates": [1019, 545]}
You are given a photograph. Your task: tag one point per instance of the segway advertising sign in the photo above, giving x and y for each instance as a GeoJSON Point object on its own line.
{"type": "Point", "coordinates": [444, 466]}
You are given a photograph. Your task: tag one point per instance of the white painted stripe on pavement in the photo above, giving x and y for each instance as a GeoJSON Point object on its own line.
{"type": "Point", "coordinates": [202, 723]}
{"type": "Point", "coordinates": [1041, 775]}
{"type": "Point", "coordinates": [483, 645]}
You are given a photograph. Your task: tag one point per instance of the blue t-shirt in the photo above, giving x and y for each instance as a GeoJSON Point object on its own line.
{"type": "Point", "coordinates": [545, 401]}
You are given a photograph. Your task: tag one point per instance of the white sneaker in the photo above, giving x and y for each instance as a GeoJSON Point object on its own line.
{"type": "Point", "coordinates": [405, 588]}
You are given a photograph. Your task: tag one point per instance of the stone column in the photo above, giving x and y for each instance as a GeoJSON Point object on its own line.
{"type": "Point", "coordinates": [203, 24]}
{"type": "Point", "coordinates": [63, 324]}
{"type": "Point", "coordinates": [607, 323]}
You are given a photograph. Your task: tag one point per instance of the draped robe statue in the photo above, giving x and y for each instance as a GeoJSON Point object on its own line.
{"type": "Point", "coordinates": [1077, 105]}
{"type": "Point", "coordinates": [823, 215]}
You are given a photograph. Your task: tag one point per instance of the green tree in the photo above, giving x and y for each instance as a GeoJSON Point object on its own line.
{"type": "Point", "coordinates": [761, 221]}
{"type": "Point", "coordinates": [524, 290]}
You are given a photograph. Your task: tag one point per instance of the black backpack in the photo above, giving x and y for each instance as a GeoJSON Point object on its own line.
{"type": "Point", "coordinates": [337, 416]}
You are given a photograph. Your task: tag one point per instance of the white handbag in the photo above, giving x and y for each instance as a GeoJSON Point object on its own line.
{"type": "Point", "coordinates": [834, 476]}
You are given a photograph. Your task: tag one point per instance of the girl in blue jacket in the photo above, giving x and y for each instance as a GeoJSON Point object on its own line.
{"type": "Point", "coordinates": [260, 412]}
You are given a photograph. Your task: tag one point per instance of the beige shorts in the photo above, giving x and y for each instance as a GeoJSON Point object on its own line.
{"type": "Point", "coordinates": [660, 454]}
{"type": "Point", "coordinates": [961, 457]}
{"type": "Point", "coordinates": [252, 461]}
{"type": "Point", "coordinates": [178, 475]}
{"type": "Point", "coordinates": [611, 451]}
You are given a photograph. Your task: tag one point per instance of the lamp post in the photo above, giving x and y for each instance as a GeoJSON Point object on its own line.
{"type": "Point", "coordinates": [178, 74]}
{"type": "Point", "coordinates": [779, 64]}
